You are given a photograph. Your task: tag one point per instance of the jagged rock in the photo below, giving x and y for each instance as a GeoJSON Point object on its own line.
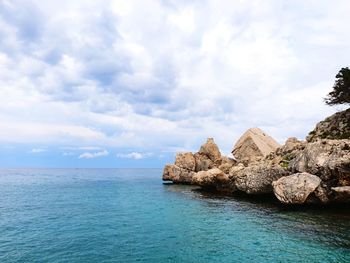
{"type": "Point", "coordinates": [287, 152]}
{"type": "Point", "coordinates": [213, 179]}
{"type": "Point", "coordinates": [292, 144]}
{"type": "Point", "coordinates": [328, 159]}
{"type": "Point", "coordinates": [186, 161]}
{"type": "Point", "coordinates": [257, 177]}
{"type": "Point", "coordinates": [335, 127]}
{"type": "Point", "coordinates": [295, 188]}
{"type": "Point", "coordinates": [342, 193]}
{"type": "Point", "coordinates": [226, 164]}
{"type": "Point", "coordinates": [176, 174]}
{"type": "Point", "coordinates": [203, 163]}
{"type": "Point", "coordinates": [253, 145]}
{"type": "Point", "coordinates": [211, 150]}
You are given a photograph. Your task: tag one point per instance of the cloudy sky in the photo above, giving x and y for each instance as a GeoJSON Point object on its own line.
{"type": "Point", "coordinates": [129, 83]}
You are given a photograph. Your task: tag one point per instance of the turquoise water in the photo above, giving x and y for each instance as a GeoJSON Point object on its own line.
{"type": "Point", "coordinates": [112, 215]}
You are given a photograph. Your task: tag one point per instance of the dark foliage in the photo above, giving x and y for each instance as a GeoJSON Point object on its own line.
{"type": "Point", "coordinates": [341, 89]}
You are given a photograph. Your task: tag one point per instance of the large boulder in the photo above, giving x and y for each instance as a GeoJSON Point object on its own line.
{"type": "Point", "coordinates": [185, 161]}
{"type": "Point", "coordinates": [177, 174]}
{"type": "Point", "coordinates": [253, 145]}
{"type": "Point", "coordinates": [295, 188]}
{"type": "Point", "coordinates": [257, 177]}
{"type": "Point", "coordinates": [211, 150]}
{"type": "Point", "coordinates": [335, 127]}
{"type": "Point", "coordinates": [328, 159]}
{"type": "Point", "coordinates": [213, 179]}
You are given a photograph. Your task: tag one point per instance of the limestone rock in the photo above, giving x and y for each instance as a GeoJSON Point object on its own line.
{"type": "Point", "coordinates": [203, 163]}
{"type": "Point", "coordinates": [185, 161]}
{"type": "Point", "coordinates": [287, 152]}
{"type": "Point", "coordinates": [292, 144]}
{"type": "Point", "coordinates": [253, 145]}
{"type": "Point", "coordinates": [176, 174]}
{"type": "Point", "coordinates": [328, 159]}
{"type": "Point", "coordinates": [295, 188]}
{"type": "Point", "coordinates": [226, 164]}
{"type": "Point", "coordinates": [335, 127]}
{"type": "Point", "coordinates": [211, 150]}
{"type": "Point", "coordinates": [257, 177]}
{"type": "Point", "coordinates": [213, 179]}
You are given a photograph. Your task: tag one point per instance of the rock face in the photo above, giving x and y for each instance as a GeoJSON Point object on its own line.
{"type": "Point", "coordinates": [213, 178]}
{"type": "Point", "coordinates": [176, 174]}
{"type": "Point", "coordinates": [203, 162]}
{"type": "Point", "coordinates": [341, 193]}
{"type": "Point", "coordinates": [185, 161]}
{"type": "Point", "coordinates": [211, 150]}
{"type": "Point", "coordinates": [253, 145]}
{"type": "Point", "coordinates": [256, 178]}
{"type": "Point", "coordinates": [295, 188]}
{"type": "Point", "coordinates": [226, 164]}
{"type": "Point", "coordinates": [335, 127]}
{"type": "Point", "coordinates": [328, 159]}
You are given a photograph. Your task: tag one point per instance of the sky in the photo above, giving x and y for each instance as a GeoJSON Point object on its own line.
{"type": "Point", "coordinates": [130, 83]}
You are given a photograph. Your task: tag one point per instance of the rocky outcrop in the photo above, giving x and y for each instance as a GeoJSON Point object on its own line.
{"type": "Point", "coordinates": [298, 172]}
{"type": "Point", "coordinates": [211, 150]}
{"type": "Point", "coordinates": [295, 188]}
{"type": "Point", "coordinates": [176, 174]}
{"type": "Point", "coordinates": [257, 177]}
{"type": "Point", "coordinates": [335, 127]}
{"type": "Point", "coordinates": [328, 159]}
{"type": "Point", "coordinates": [185, 161]}
{"type": "Point", "coordinates": [187, 164]}
{"type": "Point", "coordinates": [213, 179]}
{"type": "Point", "coordinates": [253, 145]}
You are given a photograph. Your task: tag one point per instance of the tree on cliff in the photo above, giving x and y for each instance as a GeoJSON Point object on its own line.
{"type": "Point", "coordinates": [341, 89]}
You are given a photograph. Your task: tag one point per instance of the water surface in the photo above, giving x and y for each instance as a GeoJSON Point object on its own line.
{"type": "Point", "coordinates": [121, 215]}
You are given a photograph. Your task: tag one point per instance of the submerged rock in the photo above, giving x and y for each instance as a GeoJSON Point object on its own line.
{"type": "Point", "coordinates": [253, 145]}
{"type": "Point", "coordinates": [295, 188]}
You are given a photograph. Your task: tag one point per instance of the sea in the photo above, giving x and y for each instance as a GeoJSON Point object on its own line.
{"type": "Point", "coordinates": [130, 215]}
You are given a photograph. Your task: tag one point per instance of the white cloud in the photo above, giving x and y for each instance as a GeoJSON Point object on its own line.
{"type": "Point", "coordinates": [90, 155]}
{"type": "Point", "coordinates": [134, 155]}
{"type": "Point", "coordinates": [158, 75]}
{"type": "Point", "coordinates": [37, 150]}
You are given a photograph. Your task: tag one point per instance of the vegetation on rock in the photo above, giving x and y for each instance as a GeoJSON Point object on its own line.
{"type": "Point", "coordinates": [341, 89]}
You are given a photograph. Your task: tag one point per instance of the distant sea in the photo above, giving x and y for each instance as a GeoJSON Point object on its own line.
{"type": "Point", "coordinates": [129, 215]}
